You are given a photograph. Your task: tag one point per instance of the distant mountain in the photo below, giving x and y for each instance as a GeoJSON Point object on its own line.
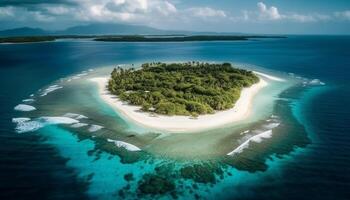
{"type": "Point", "coordinates": [24, 31]}
{"type": "Point", "coordinates": [90, 29]}
{"type": "Point", "coordinates": [102, 29]}
{"type": "Point", "coordinates": [110, 29]}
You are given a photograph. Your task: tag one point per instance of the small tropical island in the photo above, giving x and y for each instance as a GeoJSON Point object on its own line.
{"type": "Point", "coordinates": [181, 88]}
{"type": "Point", "coordinates": [181, 97]}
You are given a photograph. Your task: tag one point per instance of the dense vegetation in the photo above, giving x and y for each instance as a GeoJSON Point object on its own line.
{"type": "Point", "coordinates": [26, 39]}
{"type": "Point", "coordinates": [181, 88]}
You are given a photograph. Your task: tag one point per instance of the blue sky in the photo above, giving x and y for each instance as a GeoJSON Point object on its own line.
{"type": "Point", "coordinates": [248, 16]}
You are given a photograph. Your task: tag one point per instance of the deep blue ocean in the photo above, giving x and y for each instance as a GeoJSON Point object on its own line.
{"type": "Point", "coordinates": [33, 169]}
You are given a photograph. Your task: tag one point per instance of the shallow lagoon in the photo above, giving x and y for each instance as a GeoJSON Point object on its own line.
{"type": "Point", "coordinates": [197, 165]}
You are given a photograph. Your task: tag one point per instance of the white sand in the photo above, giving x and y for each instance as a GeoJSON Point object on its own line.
{"type": "Point", "coordinates": [240, 111]}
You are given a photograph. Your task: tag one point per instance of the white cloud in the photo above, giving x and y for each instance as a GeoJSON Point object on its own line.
{"type": "Point", "coordinates": [6, 12]}
{"type": "Point", "coordinates": [205, 12]}
{"type": "Point", "coordinates": [167, 14]}
{"type": "Point", "coordinates": [23, 14]}
{"type": "Point", "coordinates": [315, 17]}
{"type": "Point", "coordinates": [268, 13]}
{"type": "Point", "coordinates": [301, 18]}
{"type": "Point", "coordinates": [343, 14]}
{"type": "Point", "coordinates": [137, 11]}
{"type": "Point", "coordinates": [148, 12]}
{"type": "Point", "coordinates": [272, 13]}
{"type": "Point", "coordinates": [59, 9]}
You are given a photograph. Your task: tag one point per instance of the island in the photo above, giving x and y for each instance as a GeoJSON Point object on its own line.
{"type": "Point", "coordinates": [134, 38]}
{"type": "Point", "coordinates": [27, 39]}
{"type": "Point", "coordinates": [180, 97]}
{"type": "Point", "coordinates": [184, 38]}
{"type": "Point", "coordinates": [181, 88]}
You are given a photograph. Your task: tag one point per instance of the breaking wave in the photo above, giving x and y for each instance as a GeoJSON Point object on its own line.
{"type": "Point", "coordinates": [24, 107]}
{"type": "Point", "coordinates": [257, 135]}
{"type": "Point", "coordinates": [50, 89]}
{"type": "Point", "coordinates": [125, 145]}
{"type": "Point", "coordinates": [24, 125]}
{"type": "Point", "coordinates": [75, 116]}
{"type": "Point", "coordinates": [94, 128]}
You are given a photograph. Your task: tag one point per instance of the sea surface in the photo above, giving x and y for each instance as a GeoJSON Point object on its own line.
{"type": "Point", "coordinates": [308, 158]}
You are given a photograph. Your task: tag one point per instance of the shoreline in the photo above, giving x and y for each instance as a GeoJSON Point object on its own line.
{"type": "Point", "coordinates": [240, 111]}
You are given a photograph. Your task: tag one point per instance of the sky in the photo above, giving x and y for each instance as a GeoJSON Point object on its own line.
{"type": "Point", "coordinates": [245, 16]}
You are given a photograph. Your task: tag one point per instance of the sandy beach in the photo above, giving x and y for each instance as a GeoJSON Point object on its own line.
{"type": "Point", "coordinates": [240, 111]}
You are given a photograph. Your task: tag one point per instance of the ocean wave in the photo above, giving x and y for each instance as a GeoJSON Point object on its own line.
{"type": "Point", "coordinates": [28, 100]}
{"type": "Point", "coordinates": [244, 132]}
{"type": "Point", "coordinates": [316, 82]}
{"type": "Point", "coordinates": [57, 120]}
{"type": "Point", "coordinates": [26, 125]}
{"type": "Point", "coordinates": [127, 146]}
{"type": "Point", "coordinates": [79, 125]}
{"type": "Point", "coordinates": [271, 125]}
{"type": "Point", "coordinates": [78, 76]}
{"type": "Point", "coordinates": [75, 116]}
{"type": "Point", "coordinates": [256, 138]}
{"type": "Point", "coordinates": [274, 78]}
{"type": "Point", "coordinates": [94, 128]}
{"type": "Point", "coordinates": [50, 89]}
{"type": "Point", "coordinates": [20, 119]}
{"type": "Point", "coordinates": [257, 135]}
{"type": "Point", "coordinates": [24, 107]}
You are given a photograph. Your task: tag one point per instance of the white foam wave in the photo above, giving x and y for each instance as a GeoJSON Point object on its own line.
{"type": "Point", "coordinates": [78, 125]}
{"type": "Point", "coordinates": [27, 125]}
{"type": "Point", "coordinates": [316, 82]}
{"type": "Point", "coordinates": [28, 100]}
{"type": "Point", "coordinates": [24, 107]}
{"type": "Point", "coordinates": [127, 146]}
{"type": "Point", "coordinates": [57, 120]}
{"type": "Point", "coordinates": [20, 119]}
{"type": "Point", "coordinates": [75, 116]}
{"type": "Point", "coordinates": [274, 78]}
{"type": "Point", "coordinates": [78, 76]}
{"type": "Point", "coordinates": [244, 132]}
{"type": "Point", "coordinates": [271, 125]}
{"type": "Point", "coordinates": [256, 138]}
{"type": "Point", "coordinates": [261, 136]}
{"type": "Point", "coordinates": [82, 74]}
{"type": "Point", "coordinates": [50, 89]}
{"type": "Point", "coordinates": [94, 128]}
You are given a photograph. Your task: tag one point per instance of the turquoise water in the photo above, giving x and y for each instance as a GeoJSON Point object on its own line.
{"type": "Point", "coordinates": [306, 157]}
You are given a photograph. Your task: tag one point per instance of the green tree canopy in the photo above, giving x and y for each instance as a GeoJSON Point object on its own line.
{"type": "Point", "coordinates": [191, 88]}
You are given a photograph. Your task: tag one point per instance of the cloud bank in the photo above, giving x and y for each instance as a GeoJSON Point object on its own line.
{"type": "Point", "coordinates": [156, 13]}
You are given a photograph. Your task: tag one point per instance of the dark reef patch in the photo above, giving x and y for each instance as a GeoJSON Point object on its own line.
{"type": "Point", "coordinates": [129, 177]}
{"type": "Point", "coordinates": [202, 173]}
{"type": "Point", "coordinates": [154, 184]}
